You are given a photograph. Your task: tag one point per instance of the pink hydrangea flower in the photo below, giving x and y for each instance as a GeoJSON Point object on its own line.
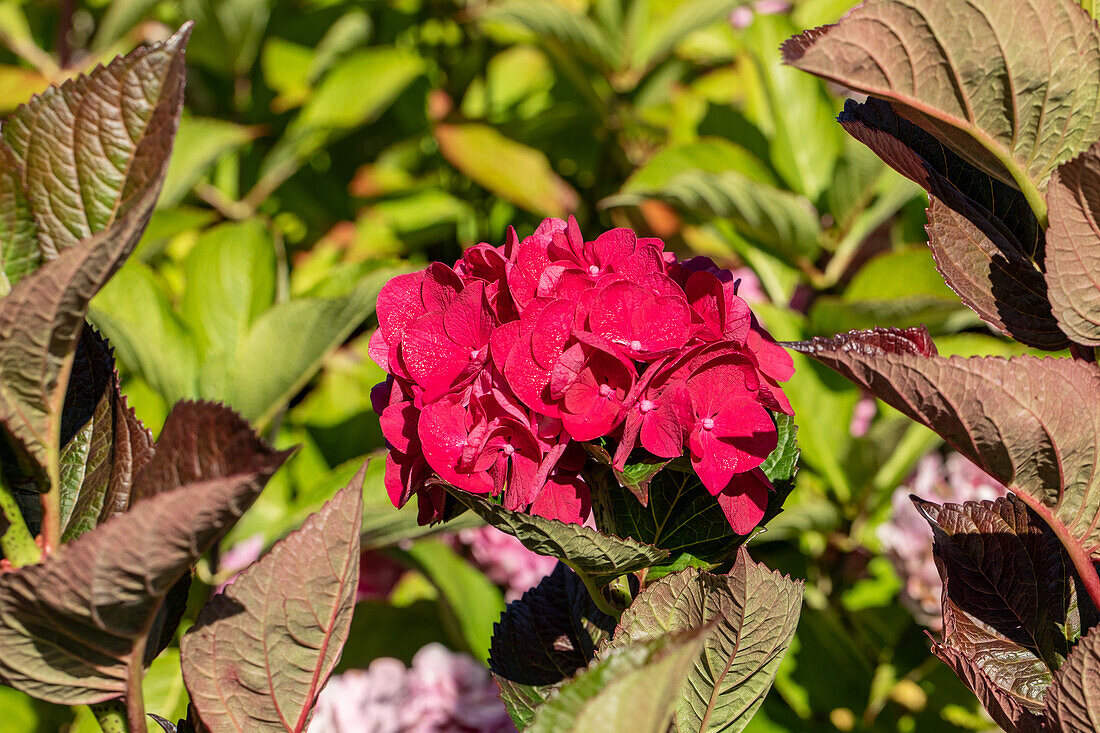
{"type": "Point", "coordinates": [503, 366]}
{"type": "Point", "coordinates": [907, 538]}
{"type": "Point", "coordinates": [505, 560]}
{"type": "Point", "coordinates": [442, 692]}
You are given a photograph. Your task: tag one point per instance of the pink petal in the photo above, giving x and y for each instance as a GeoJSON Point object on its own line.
{"type": "Point", "coordinates": [565, 498]}
{"type": "Point", "coordinates": [612, 247]}
{"type": "Point", "coordinates": [399, 304]}
{"type": "Point", "coordinates": [773, 359]}
{"type": "Point", "coordinates": [443, 435]}
{"type": "Point", "coordinates": [527, 380]}
{"type": "Point", "coordinates": [552, 330]}
{"type": "Point", "coordinates": [432, 358]}
{"type": "Point", "coordinates": [399, 425]}
{"type": "Point", "coordinates": [378, 350]}
{"type": "Point", "coordinates": [744, 500]}
{"type": "Point", "coordinates": [440, 286]}
{"type": "Point", "coordinates": [502, 342]}
{"type": "Point", "coordinates": [468, 320]}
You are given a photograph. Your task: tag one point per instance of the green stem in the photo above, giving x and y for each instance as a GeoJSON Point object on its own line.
{"type": "Point", "coordinates": [111, 716]}
{"type": "Point", "coordinates": [597, 595]}
{"type": "Point", "coordinates": [16, 542]}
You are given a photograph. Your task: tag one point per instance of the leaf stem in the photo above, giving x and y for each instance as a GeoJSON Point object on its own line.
{"type": "Point", "coordinates": [597, 595]}
{"type": "Point", "coordinates": [111, 716]}
{"type": "Point", "coordinates": [135, 701]}
{"type": "Point", "coordinates": [51, 510]}
{"type": "Point", "coordinates": [16, 541]}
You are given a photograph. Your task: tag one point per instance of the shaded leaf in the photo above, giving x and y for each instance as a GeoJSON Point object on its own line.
{"type": "Point", "coordinates": [504, 167]}
{"type": "Point", "coordinates": [543, 639]}
{"type": "Point", "coordinates": [77, 184]}
{"type": "Point", "coordinates": [1073, 247]}
{"type": "Point", "coordinates": [753, 611]}
{"type": "Point", "coordinates": [1016, 418]}
{"type": "Point", "coordinates": [604, 557]}
{"type": "Point", "coordinates": [19, 252]}
{"type": "Point", "coordinates": [660, 38]}
{"type": "Point", "coordinates": [982, 233]}
{"type": "Point", "coordinates": [103, 443]}
{"type": "Point", "coordinates": [1074, 702]}
{"type": "Point", "coordinates": [1011, 87]}
{"type": "Point", "coordinates": [71, 625]}
{"type": "Point", "coordinates": [1012, 603]}
{"type": "Point", "coordinates": [259, 653]}
{"type": "Point", "coordinates": [632, 689]}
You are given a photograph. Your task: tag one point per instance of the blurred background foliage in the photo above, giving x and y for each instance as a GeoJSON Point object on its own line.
{"type": "Point", "coordinates": [327, 144]}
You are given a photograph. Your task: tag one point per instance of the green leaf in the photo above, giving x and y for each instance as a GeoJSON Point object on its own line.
{"type": "Point", "coordinates": [552, 22]}
{"type": "Point", "coordinates": [660, 38]}
{"type": "Point", "coordinates": [200, 143]}
{"type": "Point", "coordinates": [504, 167]}
{"type": "Point", "coordinates": [543, 639]}
{"type": "Point", "coordinates": [1073, 247]}
{"type": "Point", "coordinates": [134, 313]}
{"type": "Point", "coordinates": [633, 689]}
{"type": "Point", "coordinates": [286, 617]}
{"type": "Point", "coordinates": [754, 613]}
{"type": "Point", "coordinates": [265, 375]}
{"type": "Point", "coordinates": [76, 184]}
{"type": "Point", "coordinates": [980, 75]}
{"type": "Point", "coordinates": [1012, 604]}
{"type": "Point", "coordinates": [601, 556]}
{"type": "Point", "coordinates": [341, 102]}
{"type": "Point", "coordinates": [227, 32]}
{"type": "Point", "coordinates": [285, 67]}
{"type": "Point", "coordinates": [784, 222]}
{"type": "Point", "coordinates": [710, 154]}
{"type": "Point", "coordinates": [230, 274]}
{"type": "Point", "coordinates": [472, 603]}
{"type": "Point", "coordinates": [69, 641]}
{"type": "Point", "coordinates": [19, 253]}
{"type": "Point", "coordinates": [804, 142]}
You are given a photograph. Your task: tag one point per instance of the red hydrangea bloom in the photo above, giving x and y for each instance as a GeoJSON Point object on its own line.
{"type": "Point", "coordinates": [504, 366]}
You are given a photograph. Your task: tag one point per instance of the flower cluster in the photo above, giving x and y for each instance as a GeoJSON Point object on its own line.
{"type": "Point", "coordinates": [503, 366]}
{"type": "Point", "coordinates": [443, 692]}
{"type": "Point", "coordinates": [907, 538]}
{"type": "Point", "coordinates": [504, 559]}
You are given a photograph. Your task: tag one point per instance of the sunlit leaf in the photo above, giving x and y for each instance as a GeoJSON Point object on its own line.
{"type": "Point", "coordinates": [551, 21]}
{"type": "Point", "coordinates": [506, 168]}
{"type": "Point", "coordinates": [1073, 247]}
{"type": "Point", "coordinates": [19, 252]}
{"type": "Point", "coordinates": [1074, 702]}
{"type": "Point", "coordinates": [200, 143]}
{"type": "Point", "coordinates": [285, 619]}
{"type": "Point", "coordinates": [753, 612]}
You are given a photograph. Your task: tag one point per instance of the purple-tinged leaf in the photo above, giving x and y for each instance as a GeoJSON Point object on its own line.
{"type": "Point", "coordinates": [93, 149]}
{"type": "Point", "coordinates": [1073, 705]}
{"type": "Point", "coordinates": [103, 444]}
{"type": "Point", "coordinates": [1019, 419]}
{"type": "Point", "coordinates": [983, 235]}
{"type": "Point", "coordinates": [543, 639]}
{"type": "Point", "coordinates": [1014, 88]}
{"type": "Point", "coordinates": [259, 653]}
{"type": "Point", "coordinates": [89, 220]}
{"type": "Point", "coordinates": [1073, 250]}
{"type": "Point", "coordinates": [1012, 603]}
{"type": "Point", "coordinates": [19, 253]}
{"type": "Point", "coordinates": [753, 612]}
{"type": "Point", "coordinates": [72, 625]}
{"type": "Point", "coordinates": [1006, 710]}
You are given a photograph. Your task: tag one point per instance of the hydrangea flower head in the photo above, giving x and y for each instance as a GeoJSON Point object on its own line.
{"type": "Point", "coordinates": [502, 367]}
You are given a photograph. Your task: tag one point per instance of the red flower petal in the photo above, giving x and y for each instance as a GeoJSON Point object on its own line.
{"type": "Point", "coordinates": [744, 500]}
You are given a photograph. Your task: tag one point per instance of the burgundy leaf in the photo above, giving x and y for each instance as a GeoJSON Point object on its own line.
{"type": "Point", "coordinates": [982, 233]}
{"type": "Point", "coordinates": [88, 220]}
{"type": "Point", "coordinates": [1073, 705]}
{"type": "Point", "coordinates": [1012, 603]}
{"type": "Point", "coordinates": [72, 625]}
{"type": "Point", "coordinates": [259, 654]}
{"type": "Point", "coordinates": [1073, 250]}
{"type": "Point", "coordinates": [1019, 419]}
